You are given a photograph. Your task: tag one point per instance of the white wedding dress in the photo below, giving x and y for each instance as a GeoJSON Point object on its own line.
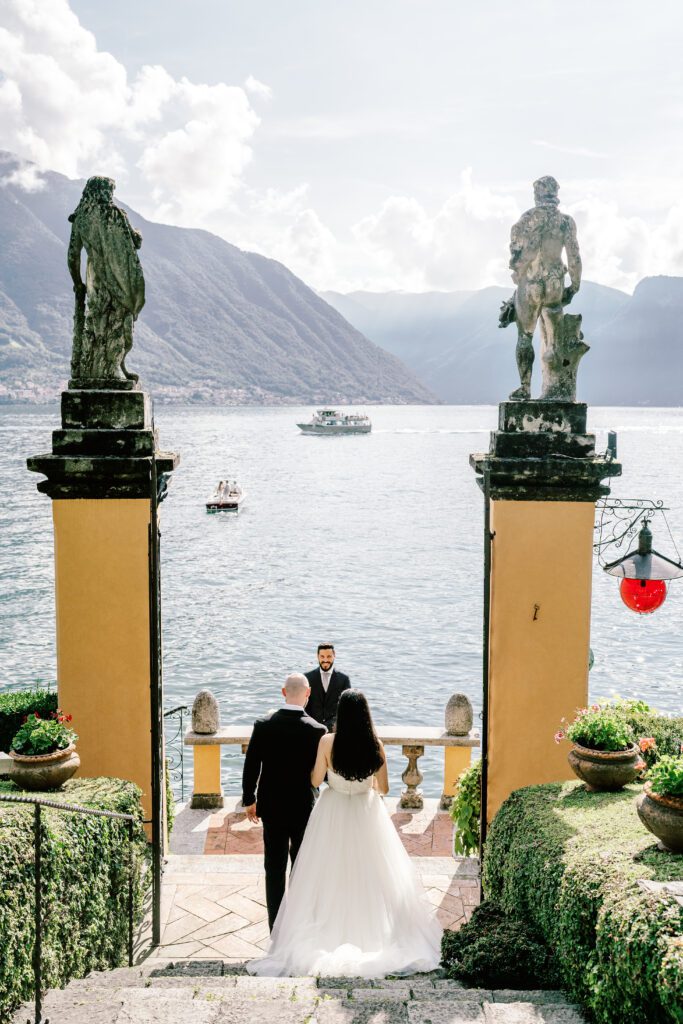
{"type": "Point", "coordinates": [355, 906]}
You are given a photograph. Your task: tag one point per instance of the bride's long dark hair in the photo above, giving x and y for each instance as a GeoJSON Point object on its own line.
{"type": "Point", "coordinates": [355, 752]}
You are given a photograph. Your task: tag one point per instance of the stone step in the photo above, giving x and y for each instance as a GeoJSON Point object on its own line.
{"type": "Point", "coordinates": [209, 992]}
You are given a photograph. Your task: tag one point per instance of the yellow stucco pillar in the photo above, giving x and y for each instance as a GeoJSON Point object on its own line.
{"type": "Point", "coordinates": [541, 571]}
{"type": "Point", "coordinates": [103, 634]}
{"type": "Point", "coordinates": [541, 478]}
{"type": "Point", "coordinates": [106, 478]}
{"type": "Point", "coordinates": [207, 790]}
{"type": "Point", "coordinates": [456, 760]}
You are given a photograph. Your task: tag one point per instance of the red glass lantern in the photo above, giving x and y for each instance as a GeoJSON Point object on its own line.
{"type": "Point", "coordinates": [644, 575]}
{"type": "Point", "coordinates": [643, 596]}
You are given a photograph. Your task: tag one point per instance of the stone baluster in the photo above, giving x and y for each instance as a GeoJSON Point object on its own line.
{"type": "Point", "coordinates": [207, 790]}
{"type": "Point", "coordinates": [459, 717]}
{"type": "Point", "coordinates": [411, 797]}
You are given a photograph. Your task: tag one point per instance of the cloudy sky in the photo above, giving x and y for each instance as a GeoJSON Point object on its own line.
{"type": "Point", "coordinates": [379, 144]}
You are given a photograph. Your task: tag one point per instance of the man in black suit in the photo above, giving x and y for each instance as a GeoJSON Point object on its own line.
{"type": "Point", "coordinates": [326, 687]}
{"type": "Point", "coordinates": [276, 783]}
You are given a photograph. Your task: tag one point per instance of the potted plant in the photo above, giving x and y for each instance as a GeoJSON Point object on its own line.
{"type": "Point", "coordinates": [604, 754]}
{"type": "Point", "coordinates": [660, 806]}
{"type": "Point", "coordinates": [43, 752]}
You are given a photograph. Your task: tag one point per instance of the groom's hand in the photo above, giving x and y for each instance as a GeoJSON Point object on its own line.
{"type": "Point", "coordinates": [251, 814]}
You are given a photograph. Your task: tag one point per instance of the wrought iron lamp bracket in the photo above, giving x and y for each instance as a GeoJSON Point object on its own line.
{"type": "Point", "coordinates": [618, 520]}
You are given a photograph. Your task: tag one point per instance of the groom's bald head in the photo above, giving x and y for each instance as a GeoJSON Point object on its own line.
{"type": "Point", "coordinates": [296, 689]}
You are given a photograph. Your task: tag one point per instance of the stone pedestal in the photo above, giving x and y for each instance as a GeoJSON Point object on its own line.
{"type": "Point", "coordinates": [542, 477]}
{"type": "Point", "coordinates": [101, 475]}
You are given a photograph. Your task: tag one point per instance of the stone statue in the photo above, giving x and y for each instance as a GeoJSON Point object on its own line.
{"type": "Point", "coordinates": [108, 303]}
{"type": "Point", "coordinates": [537, 242]}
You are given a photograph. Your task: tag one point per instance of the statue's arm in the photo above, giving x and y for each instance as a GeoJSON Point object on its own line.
{"type": "Point", "coordinates": [571, 245]}
{"type": "Point", "coordinates": [519, 254]}
{"type": "Point", "coordinates": [74, 259]}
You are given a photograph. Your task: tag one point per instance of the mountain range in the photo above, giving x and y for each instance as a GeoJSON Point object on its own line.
{"type": "Point", "coordinates": [224, 325]}
{"type": "Point", "coordinates": [453, 344]}
{"type": "Point", "coordinates": [219, 324]}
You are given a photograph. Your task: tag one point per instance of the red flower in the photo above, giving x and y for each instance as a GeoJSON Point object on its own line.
{"type": "Point", "coordinates": [36, 715]}
{"type": "Point", "coordinates": [647, 743]}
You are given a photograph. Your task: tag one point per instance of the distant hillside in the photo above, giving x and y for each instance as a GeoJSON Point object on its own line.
{"type": "Point", "coordinates": [453, 344]}
{"type": "Point", "coordinates": [219, 324]}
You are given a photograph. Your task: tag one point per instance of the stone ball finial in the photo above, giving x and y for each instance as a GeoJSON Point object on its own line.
{"type": "Point", "coordinates": [206, 716]}
{"type": "Point", "coordinates": [459, 715]}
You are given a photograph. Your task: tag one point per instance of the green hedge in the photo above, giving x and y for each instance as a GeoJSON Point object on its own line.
{"type": "Point", "coordinates": [85, 892]}
{"type": "Point", "coordinates": [668, 732]}
{"type": "Point", "coordinates": [16, 704]}
{"type": "Point", "coordinates": [567, 862]}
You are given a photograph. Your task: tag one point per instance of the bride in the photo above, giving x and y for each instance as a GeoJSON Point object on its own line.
{"type": "Point", "coordinates": [354, 906]}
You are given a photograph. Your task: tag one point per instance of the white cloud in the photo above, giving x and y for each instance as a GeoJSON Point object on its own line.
{"type": "Point", "coordinates": [260, 89]}
{"type": "Point", "coordinates": [619, 249]}
{"type": "Point", "coordinates": [308, 248]}
{"type": "Point", "coordinates": [195, 169]}
{"type": "Point", "coordinates": [70, 107]}
{"type": "Point", "coordinates": [183, 150]}
{"type": "Point", "coordinates": [461, 246]}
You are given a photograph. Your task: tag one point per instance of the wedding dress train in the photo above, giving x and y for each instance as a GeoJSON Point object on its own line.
{"type": "Point", "coordinates": [355, 906]}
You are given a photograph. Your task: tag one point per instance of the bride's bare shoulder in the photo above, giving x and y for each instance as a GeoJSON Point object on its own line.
{"type": "Point", "coordinates": [327, 740]}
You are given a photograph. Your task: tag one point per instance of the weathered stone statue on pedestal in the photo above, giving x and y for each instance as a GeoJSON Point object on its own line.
{"type": "Point", "coordinates": [106, 477]}
{"type": "Point", "coordinates": [108, 303]}
{"type": "Point", "coordinates": [537, 242]}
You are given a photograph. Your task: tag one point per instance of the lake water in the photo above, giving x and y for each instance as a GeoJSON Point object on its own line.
{"type": "Point", "coordinates": [371, 542]}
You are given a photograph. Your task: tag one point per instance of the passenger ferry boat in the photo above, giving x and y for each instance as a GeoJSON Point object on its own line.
{"type": "Point", "coordinates": [227, 497]}
{"type": "Point", "coordinates": [328, 421]}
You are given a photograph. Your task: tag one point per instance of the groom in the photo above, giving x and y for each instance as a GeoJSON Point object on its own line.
{"type": "Point", "coordinates": [276, 783]}
{"type": "Point", "coordinates": [326, 685]}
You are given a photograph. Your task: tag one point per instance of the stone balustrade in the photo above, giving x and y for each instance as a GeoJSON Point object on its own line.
{"type": "Point", "coordinates": [208, 792]}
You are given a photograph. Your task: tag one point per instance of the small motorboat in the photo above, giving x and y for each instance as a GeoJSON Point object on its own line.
{"type": "Point", "coordinates": [227, 497]}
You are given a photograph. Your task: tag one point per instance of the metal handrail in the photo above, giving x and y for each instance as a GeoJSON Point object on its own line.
{"type": "Point", "coordinates": [37, 821]}
{"type": "Point", "coordinates": [178, 767]}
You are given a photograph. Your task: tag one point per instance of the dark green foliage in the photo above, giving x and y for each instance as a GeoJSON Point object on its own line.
{"type": "Point", "coordinates": [85, 888]}
{"type": "Point", "coordinates": [567, 862]}
{"type": "Point", "coordinates": [666, 776]}
{"type": "Point", "coordinates": [494, 950]}
{"type": "Point", "coordinates": [170, 798]}
{"type": "Point", "coordinates": [16, 704]}
{"type": "Point", "coordinates": [466, 811]}
{"type": "Point", "coordinates": [601, 727]}
{"type": "Point", "coordinates": [666, 732]}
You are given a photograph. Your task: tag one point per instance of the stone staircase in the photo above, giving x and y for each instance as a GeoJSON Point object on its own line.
{"type": "Point", "coordinates": [214, 992]}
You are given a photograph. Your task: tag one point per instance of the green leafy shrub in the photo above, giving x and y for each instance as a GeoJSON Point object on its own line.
{"type": "Point", "coordinates": [494, 950]}
{"type": "Point", "coordinates": [170, 798]}
{"type": "Point", "coordinates": [665, 730]}
{"type": "Point", "coordinates": [15, 705]}
{"type": "Point", "coordinates": [85, 886]}
{"type": "Point", "coordinates": [599, 727]}
{"type": "Point", "coordinates": [38, 735]}
{"type": "Point", "coordinates": [567, 862]}
{"type": "Point", "coordinates": [466, 811]}
{"type": "Point", "coordinates": [666, 776]}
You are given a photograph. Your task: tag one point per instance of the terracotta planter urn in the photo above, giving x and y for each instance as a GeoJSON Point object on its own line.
{"type": "Point", "coordinates": [663, 816]}
{"type": "Point", "coordinates": [44, 771]}
{"type": "Point", "coordinates": [604, 769]}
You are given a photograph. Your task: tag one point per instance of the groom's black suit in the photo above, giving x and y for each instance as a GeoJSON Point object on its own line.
{"type": "Point", "coordinates": [322, 704]}
{"type": "Point", "coordinates": [277, 777]}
